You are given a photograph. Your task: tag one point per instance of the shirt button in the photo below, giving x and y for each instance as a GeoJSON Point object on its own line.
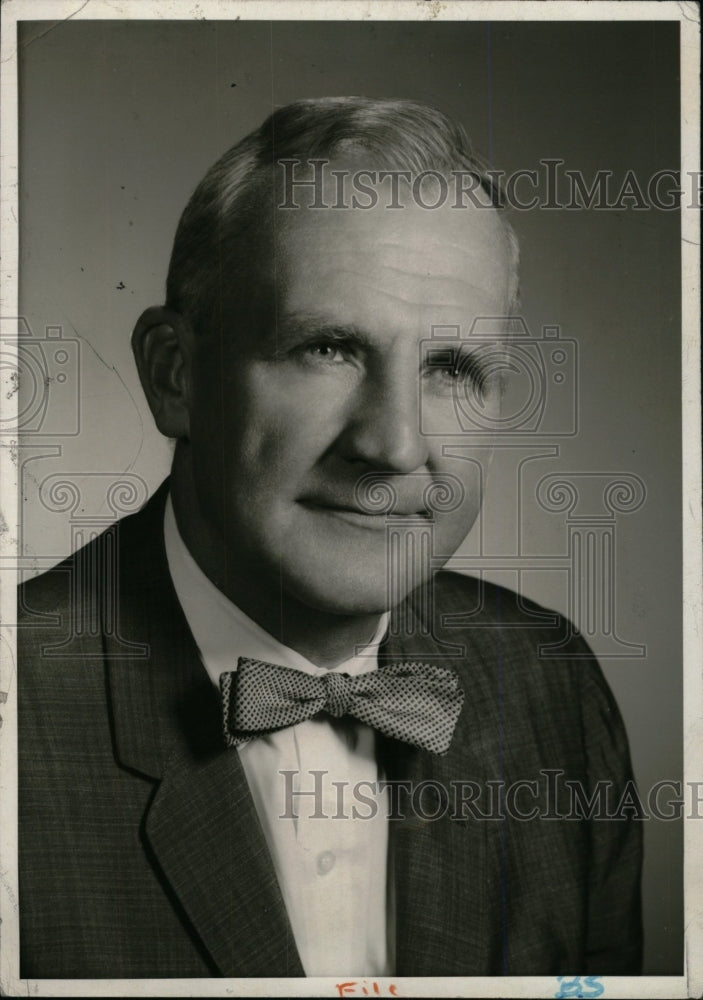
{"type": "Point", "coordinates": [325, 862]}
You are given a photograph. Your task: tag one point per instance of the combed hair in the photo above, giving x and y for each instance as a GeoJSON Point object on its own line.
{"type": "Point", "coordinates": [224, 228]}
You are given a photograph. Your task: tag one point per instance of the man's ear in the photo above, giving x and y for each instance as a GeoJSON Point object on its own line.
{"type": "Point", "coordinates": [163, 344]}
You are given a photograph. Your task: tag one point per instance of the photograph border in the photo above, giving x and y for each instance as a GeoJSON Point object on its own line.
{"type": "Point", "coordinates": [688, 15]}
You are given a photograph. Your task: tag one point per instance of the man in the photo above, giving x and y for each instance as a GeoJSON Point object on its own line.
{"type": "Point", "coordinates": [286, 562]}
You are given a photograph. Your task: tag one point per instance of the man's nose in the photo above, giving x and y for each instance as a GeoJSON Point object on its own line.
{"type": "Point", "coordinates": [383, 428]}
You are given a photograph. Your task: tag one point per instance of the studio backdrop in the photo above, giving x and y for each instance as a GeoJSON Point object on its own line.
{"type": "Point", "coordinates": [119, 121]}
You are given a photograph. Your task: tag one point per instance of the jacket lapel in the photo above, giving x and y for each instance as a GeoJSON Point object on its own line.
{"type": "Point", "coordinates": [201, 826]}
{"type": "Point", "coordinates": [445, 905]}
{"type": "Point", "coordinates": [207, 842]}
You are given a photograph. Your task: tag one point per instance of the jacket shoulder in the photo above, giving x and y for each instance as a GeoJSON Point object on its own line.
{"type": "Point", "coordinates": [499, 628]}
{"type": "Point", "coordinates": [492, 602]}
{"type": "Point", "coordinates": [83, 575]}
{"type": "Point", "coordinates": [47, 593]}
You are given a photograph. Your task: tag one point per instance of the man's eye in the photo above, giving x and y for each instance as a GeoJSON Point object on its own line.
{"type": "Point", "coordinates": [450, 371]}
{"type": "Point", "coordinates": [323, 352]}
{"type": "Point", "coordinates": [326, 351]}
{"type": "Point", "coordinates": [445, 378]}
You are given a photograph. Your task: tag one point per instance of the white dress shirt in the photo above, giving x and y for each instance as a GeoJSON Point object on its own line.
{"type": "Point", "coordinates": [332, 871]}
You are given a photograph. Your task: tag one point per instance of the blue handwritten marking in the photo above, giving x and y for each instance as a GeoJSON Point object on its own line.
{"type": "Point", "coordinates": [587, 987]}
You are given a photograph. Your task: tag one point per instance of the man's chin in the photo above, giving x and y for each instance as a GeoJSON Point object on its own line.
{"type": "Point", "coordinates": [346, 596]}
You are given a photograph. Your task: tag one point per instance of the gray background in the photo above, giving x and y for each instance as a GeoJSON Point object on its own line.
{"type": "Point", "coordinates": [118, 121]}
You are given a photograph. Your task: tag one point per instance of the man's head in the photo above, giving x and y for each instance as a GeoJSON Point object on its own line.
{"type": "Point", "coordinates": [292, 357]}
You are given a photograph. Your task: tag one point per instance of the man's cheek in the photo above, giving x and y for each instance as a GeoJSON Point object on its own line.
{"type": "Point", "coordinates": [452, 527]}
{"type": "Point", "coordinates": [450, 531]}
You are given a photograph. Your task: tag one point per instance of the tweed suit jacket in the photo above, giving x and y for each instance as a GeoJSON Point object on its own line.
{"type": "Point", "coordinates": [141, 853]}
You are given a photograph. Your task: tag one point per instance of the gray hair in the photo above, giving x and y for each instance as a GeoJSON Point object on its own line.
{"type": "Point", "coordinates": [222, 229]}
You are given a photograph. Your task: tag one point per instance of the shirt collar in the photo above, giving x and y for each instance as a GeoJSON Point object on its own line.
{"type": "Point", "coordinates": [223, 632]}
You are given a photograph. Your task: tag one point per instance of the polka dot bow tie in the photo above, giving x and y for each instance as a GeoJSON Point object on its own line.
{"type": "Point", "coordinates": [417, 703]}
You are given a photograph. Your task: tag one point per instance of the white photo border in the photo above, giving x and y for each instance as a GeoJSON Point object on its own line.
{"type": "Point", "coordinates": [688, 15]}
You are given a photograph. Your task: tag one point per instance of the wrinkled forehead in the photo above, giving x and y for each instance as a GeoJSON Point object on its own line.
{"type": "Point", "coordinates": [415, 252]}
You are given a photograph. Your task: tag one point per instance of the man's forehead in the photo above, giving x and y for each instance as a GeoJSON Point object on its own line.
{"type": "Point", "coordinates": [444, 241]}
{"type": "Point", "coordinates": [463, 224]}
{"type": "Point", "coordinates": [436, 258]}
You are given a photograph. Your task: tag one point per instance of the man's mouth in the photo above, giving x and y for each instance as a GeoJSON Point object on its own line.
{"type": "Point", "coordinates": [355, 515]}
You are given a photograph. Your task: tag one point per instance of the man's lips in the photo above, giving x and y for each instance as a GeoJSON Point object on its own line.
{"type": "Point", "coordinates": [354, 514]}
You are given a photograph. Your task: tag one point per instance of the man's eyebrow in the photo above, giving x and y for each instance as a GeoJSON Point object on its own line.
{"type": "Point", "coordinates": [300, 328]}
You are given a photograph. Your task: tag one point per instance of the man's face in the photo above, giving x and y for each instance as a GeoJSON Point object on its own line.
{"type": "Point", "coordinates": [289, 412]}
